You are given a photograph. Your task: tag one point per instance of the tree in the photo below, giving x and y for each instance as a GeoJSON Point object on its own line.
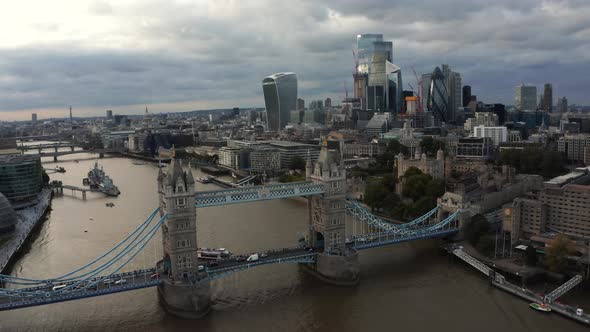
{"type": "Point", "coordinates": [477, 227]}
{"type": "Point", "coordinates": [556, 255]}
{"type": "Point", "coordinates": [430, 145]}
{"type": "Point", "coordinates": [375, 193]}
{"type": "Point", "coordinates": [298, 163]}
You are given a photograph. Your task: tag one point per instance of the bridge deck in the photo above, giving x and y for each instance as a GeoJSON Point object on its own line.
{"type": "Point", "coordinates": [257, 193]}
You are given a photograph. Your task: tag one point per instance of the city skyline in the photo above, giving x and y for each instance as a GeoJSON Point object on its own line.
{"type": "Point", "coordinates": [98, 55]}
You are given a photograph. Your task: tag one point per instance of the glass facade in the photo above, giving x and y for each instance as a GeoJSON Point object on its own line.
{"type": "Point", "coordinates": [280, 98]}
{"type": "Point", "coordinates": [438, 102]}
{"type": "Point", "coordinates": [21, 177]}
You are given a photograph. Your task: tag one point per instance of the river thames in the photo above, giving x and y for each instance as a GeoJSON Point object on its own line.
{"type": "Point", "coordinates": [406, 287]}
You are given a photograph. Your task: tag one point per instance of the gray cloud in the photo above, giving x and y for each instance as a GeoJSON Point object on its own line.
{"type": "Point", "coordinates": [184, 52]}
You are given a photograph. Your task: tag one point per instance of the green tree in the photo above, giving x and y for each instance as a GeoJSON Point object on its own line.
{"type": "Point", "coordinates": [430, 145]}
{"type": "Point", "coordinates": [298, 163]}
{"type": "Point", "coordinates": [375, 193]}
{"type": "Point", "coordinates": [556, 255]}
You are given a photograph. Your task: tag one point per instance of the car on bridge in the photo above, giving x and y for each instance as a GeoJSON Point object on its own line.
{"type": "Point", "coordinates": [121, 281]}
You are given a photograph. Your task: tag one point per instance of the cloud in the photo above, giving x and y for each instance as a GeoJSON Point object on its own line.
{"type": "Point", "coordinates": [99, 54]}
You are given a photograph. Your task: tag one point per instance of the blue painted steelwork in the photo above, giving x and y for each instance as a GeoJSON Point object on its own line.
{"type": "Point", "coordinates": [257, 193]}
{"type": "Point", "coordinates": [446, 227]}
{"type": "Point", "coordinates": [361, 213]}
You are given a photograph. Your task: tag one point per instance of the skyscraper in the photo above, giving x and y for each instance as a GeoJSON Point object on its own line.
{"type": "Point", "coordinates": [562, 105]}
{"type": "Point", "coordinates": [377, 81]}
{"type": "Point", "coordinates": [34, 117]}
{"type": "Point", "coordinates": [426, 78]}
{"type": "Point", "coordinates": [466, 95]}
{"type": "Point", "coordinates": [70, 113]}
{"type": "Point", "coordinates": [328, 102]}
{"type": "Point", "coordinates": [453, 91]}
{"type": "Point", "coordinates": [438, 102]}
{"type": "Point", "coordinates": [548, 97]}
{"type": "Point", "coordinates": [109, 114]}
{"type": "Point", "coordinates": [300, 104]}
{"type": "Point", "coordinates": [280, 98]}
{"type": "Point", "coordinates": [526, 97]}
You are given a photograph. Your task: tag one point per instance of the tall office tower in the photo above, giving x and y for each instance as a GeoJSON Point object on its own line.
{"type": "Point", "coordinates": [300, 104]}
{"type": "Point", "coordinates": [438, 102]}
{"type": "Point", "coordinates": [375, 84]}
{"type": "Point", "coordinates": [426, 78]}
{"type": "Point", "coordinates": [466, 95]}
{"type": "Point", "coordinates": [548, 97]}
{"type": "Point", "coordinates": [526, 97]}
{"type": "Point", "coordinates": [562, 105]}
{"type": "Point", "coordinates": [280, 98]}
{"type": "Point", "coordinates": [328, 103]}
{"type": "Point", "coordinates": [365, 46]}
{"type": "Point", "coordinates": [109, 114]}
{"type": "Point", "coordinates": [70, 113]}
{"type": "Point", "coordinates": [453, 91]}
{"type": "Point", "coordinates": [34, 117]}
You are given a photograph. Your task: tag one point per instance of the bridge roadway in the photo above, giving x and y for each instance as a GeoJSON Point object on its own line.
{"type": "Point", "coordinates": [46, 146]}
{"type": "Point", "coordinates": [63, 153]}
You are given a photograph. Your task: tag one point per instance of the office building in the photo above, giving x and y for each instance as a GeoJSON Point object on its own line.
{"type": "Point", "coordinates": [328, 103]}
{"type": "Point", "coordinates": [562, 105]}
{"type": "Point", "coordinates": [497, 134]}
{"type": "Point", "coordinates": [21, 177]}
{"type": "Point", "coordinates": [280, 98]}
{"type": "Point", "coordinates": [562, 206]}
{"type": "Point", "coordinates": [438, 101]}
{"type": "Point", "coordinates": [426, 79]}
{"type": "Point", "coordinates": [265, 160]}
{"type": "Point", "coordinates": [526, 98]}
{"type": "Point", "coordinates": [109, 114]}
{"type": "Point", "coordinates": [481, 118]}
{"type": "Point", "coordinates": [475, 148]}
{"type": "Point", "coordinates": [454, 91]}
{"type": "Point", "coordinates": [8, 218]}
{"type": "Point", "coordinates": [466, 95]}
{"type": "Point", "coordinates": [572, 146]}
{"type": "Point", "coordinates": [34, 117]}
{"type": "Point", "coordinates": [300, 104]}
{"type": "Point", "coordinates": [290, 150]}
{"type": "Point", "coordinates": [547, 98]}
{"type": "Point", "coordinates": [234, 157]}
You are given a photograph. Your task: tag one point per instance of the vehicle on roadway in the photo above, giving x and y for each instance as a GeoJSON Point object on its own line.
{"type": "Point", "coordinates": [155, 276]}
{"type": "Point", "coordinates": [121, 281]}
{"type": "Point", "coordinates": [108, 281]}
{"type": "Point", "coordinates": [58, 287]}
{"type": "Point", "coordinates": [263, 255]}
{"type": "Point", "coordinates": [252, 258]}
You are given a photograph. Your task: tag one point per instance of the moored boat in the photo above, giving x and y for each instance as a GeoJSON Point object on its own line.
{"type": "Point", "coordinates": [540, 306]}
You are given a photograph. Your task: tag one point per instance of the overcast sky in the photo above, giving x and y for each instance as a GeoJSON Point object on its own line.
{"type": "Point", "coordinates": [183, 55]}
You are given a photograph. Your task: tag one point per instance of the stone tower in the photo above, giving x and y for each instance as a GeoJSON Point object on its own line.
{"type": "Point", "coordinates": [334, 261]}
{"type": "Point", "coordinates": [184, 290]}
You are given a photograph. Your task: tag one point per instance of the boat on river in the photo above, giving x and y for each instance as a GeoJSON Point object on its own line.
{"type": "Point", "coordinates": [540, 306]}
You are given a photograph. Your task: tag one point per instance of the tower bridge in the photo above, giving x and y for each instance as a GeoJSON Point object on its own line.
{"type": "Point", "coordinates": [181, 278]}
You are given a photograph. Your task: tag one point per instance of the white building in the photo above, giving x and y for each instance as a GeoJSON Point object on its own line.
{"type": "Point", "coordinates": [230, 157]}
{"type": "Point", "coordinates": [488, 119]}
{"type": "Point", "coordinates": [497, 134]}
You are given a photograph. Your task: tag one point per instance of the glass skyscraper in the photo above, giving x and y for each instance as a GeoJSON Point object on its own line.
{"type": "Point", "coordinates": [438, 102]}
{"type": "Point", "coordinates": [280, 98]}
{"type": "Point", "coordinates": [526, 97]}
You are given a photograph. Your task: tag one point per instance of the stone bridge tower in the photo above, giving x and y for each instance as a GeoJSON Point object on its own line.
{"type": "Point", "coordinates": [184, 290]}
{"type": "Point", "coordinates": [327, 224]}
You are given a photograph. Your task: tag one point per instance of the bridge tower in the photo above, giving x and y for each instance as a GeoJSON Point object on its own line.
{"type": "Point", "coordinates": [335, 263]}
{"type": "Point", "coordinates": [184, 291]}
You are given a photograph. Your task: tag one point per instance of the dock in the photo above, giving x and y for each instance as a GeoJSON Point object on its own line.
{"type": "Point", "coordinates": [497, 280]}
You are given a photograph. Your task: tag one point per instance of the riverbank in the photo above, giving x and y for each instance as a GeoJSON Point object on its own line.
{"type": "Point", "coordinates": [28, 219]}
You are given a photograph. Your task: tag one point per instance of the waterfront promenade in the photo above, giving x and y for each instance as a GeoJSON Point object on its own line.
{"type": "Point", "coordinates": [28, 218]}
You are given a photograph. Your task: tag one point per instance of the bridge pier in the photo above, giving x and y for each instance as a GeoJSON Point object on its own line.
{"type": "Point", "coordinates": [335, 263]}
{"type": "Point", "coordinates": [185, 299]}
{"type": "Point", "coordinates": [184, 290]}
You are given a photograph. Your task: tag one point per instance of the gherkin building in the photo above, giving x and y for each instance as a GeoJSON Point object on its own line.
{"type": "Point", "coordinates": [438, 102]}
